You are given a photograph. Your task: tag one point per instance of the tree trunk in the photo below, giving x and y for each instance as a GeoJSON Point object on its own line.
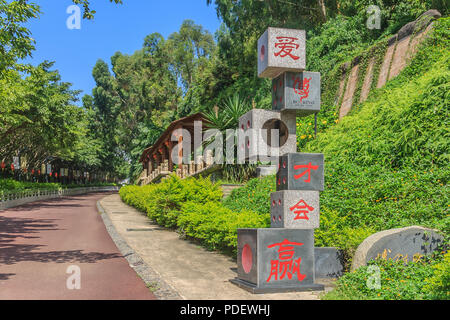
{"type": "Point", "coordinates": [323, 10]}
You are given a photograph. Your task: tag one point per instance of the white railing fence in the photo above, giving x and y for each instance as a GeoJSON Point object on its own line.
{"type": "Point", "coordinates": [18, 198]}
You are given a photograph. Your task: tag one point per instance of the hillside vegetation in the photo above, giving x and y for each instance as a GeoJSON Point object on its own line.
{"type": "Point", "coordinates": [386, 164]}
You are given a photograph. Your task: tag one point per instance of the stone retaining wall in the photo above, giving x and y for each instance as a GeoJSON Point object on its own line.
{"type": "Point", "coordinates": [401, 48]}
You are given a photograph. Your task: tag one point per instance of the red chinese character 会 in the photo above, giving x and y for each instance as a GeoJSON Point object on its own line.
{"type": "Point", "coordinates": [285, 265]}
{"type": "Point", "coordinates": [302, 209]}
{"type": "Point", "coordinates": [308, 168]}
{"type": "Point", "coordinates": [286, 46]}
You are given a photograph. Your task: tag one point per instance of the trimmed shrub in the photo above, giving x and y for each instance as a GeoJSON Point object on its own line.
{"type": "Point", "coordinates": [216, 226]}
{"type": "Point", "coordinates": [194, 206]}
{"type": "Point", "coordinates": [10, 185]}
{"type": "Point", "coordinates": [162, 202]}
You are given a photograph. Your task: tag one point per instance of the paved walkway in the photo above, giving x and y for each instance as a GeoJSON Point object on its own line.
{"type": "Point", "coordinates": [189, 270]}
{"type": "Point", "coordinates": [39, 241]}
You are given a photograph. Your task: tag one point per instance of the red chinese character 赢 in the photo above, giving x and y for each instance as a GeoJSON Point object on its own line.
{"type": "Point", "coordinates": [308, 168]}
{"type": "Point", "coordinates": [285, 265]}
{"type": "Point", "coordinates": [302, 210]}
{"type": "Point", "coordinates": [286, 46]}
{"type": "Point", "coordinates": [302, 89]}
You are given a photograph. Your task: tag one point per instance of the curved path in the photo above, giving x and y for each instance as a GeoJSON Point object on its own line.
{"type": "Point", "coordinates": [40, 241]}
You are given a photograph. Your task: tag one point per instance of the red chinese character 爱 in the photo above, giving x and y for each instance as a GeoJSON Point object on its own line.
{"type": "Point", "coordinates": [302, 209]}
{"type": "Point", "coordinates": [285, 265]}
{"type": "Point", "coordinates": [286, 46]}
{"type": "Point", "coordinates": [308, 168]}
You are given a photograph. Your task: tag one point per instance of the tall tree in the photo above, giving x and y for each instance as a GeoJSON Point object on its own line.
{"type": "Point", "coordinates": [38, 117]}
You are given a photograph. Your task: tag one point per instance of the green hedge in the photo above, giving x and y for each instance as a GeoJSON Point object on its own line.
{"type": "Point", "coordinates": [10, 185]}
{"type": "Point", "coordinates": [216, 226]}
{"type": "Point", "coordinates": [164, 203]}
{"type": "Point", "coordinates": [194, 207]}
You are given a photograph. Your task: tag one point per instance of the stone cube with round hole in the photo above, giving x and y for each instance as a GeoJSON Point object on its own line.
{"type": "Point", "coordinates": [275, 260]}
{"type": "Point", "coordinates": [295, 209]}
{"type": "Point", "coordinates": [255, 133]}
{"type": "Point", "coordinates": [297, 91]}
{"type": "Point", "coordinates": [301, 171]}
{"type": "Point", "coordinates": [281, 50]}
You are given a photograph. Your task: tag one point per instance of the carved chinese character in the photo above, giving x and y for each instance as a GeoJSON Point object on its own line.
{"type": "Point", "coordinates": [302, 209]}
{"type": "Point", "coordinates": [286, 45]}
{"type": "Point", "coordinates": [308, 168]}
{"type": "Point", "coordinates": [285, 265]}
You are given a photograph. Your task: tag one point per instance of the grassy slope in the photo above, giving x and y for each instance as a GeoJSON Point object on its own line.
{"type": "Point", "coordinates": [387, 166]}
{"type": "Point", "coordinates": [387, 162]}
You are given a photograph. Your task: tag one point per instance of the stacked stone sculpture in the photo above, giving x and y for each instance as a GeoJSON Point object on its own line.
{"type": "Point", "coordinates": [281, 258]}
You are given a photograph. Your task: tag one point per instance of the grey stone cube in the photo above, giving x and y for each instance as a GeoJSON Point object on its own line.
{"type": "Point", "coordinates": [276, 258]}
{"type": "Point", "coordinates": [301, 171]}
{"type": "Point", "coordinates": [295, 209]}
{"type": "Point", "coordinates": [281, 50]}
{"type": "Point", "coordinates": [255, 128]}
{"type": "Point", "coordinates": [329, 262]}
{"type": "Point", "coordinates": [297, 91]}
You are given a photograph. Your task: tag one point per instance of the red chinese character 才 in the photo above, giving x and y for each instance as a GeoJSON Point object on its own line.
{"type": "Point", "coordinates": [285, 265]}
{"type": "Point", "coordinates": [286, 46]}
{"type": "Point", "coordinates": [302, 209]}
{"type": "Point", "coordinates": [302, 89]}
{"type": "Point", "coordinates": [308, 168]}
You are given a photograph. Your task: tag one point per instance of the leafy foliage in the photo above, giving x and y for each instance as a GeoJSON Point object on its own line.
{"type": "Point", "coordinates": [215, 226]}
{"type": "Point", "coordinates": [255, 196]}
{"type": "Point", "coordinates": [422, 280]}
{"type": "Point", "coordinates": [438, 285]}
{"type": "Point", "coordinates": [15, 40]}
{"type": "Point", "coordinates": [228, 116]}
{"type": "Point", "coordinates": [88, 12]}
{"type": "Point", "coordinates": [162, 202]}
{"type": "Point", "coordinates": [38, 118]}
{"type": "Point", "coordinates": [194, 207]}
{"type": "Point", "coordinates": [13, 186]}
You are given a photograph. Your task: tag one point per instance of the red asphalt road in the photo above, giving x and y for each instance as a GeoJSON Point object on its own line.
{"type": "Point", "coordinates": [39, 241]}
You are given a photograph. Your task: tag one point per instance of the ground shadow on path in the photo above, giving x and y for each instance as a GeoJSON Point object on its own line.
{"type": "Point", "coordinates": [15, 253]}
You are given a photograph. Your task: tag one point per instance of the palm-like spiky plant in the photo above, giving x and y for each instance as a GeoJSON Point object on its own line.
{"type": "Point", "coordinates": [228, 116]}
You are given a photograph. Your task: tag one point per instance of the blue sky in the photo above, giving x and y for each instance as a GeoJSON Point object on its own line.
{"type": "Point", "coordinates": [115, 28]}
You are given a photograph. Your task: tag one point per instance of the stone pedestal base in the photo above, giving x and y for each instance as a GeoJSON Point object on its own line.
{"type": "Point", "coordinates": [250, 287]}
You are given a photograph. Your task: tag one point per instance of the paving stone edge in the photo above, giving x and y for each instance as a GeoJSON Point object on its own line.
{"type": "Point", "coordinates": [151, 278]}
